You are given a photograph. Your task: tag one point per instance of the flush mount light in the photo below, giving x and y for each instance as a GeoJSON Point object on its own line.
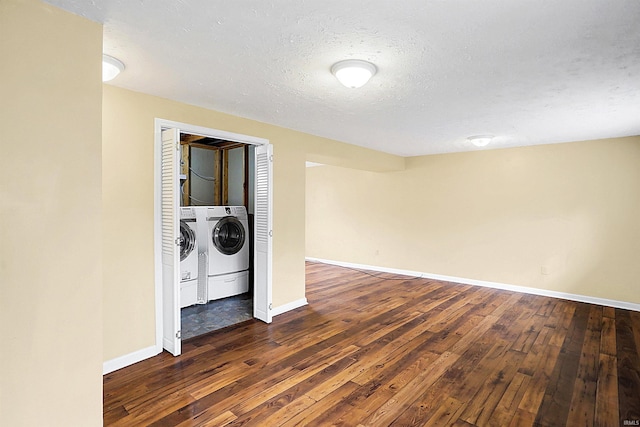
{"type": "Point", "coordinates": [353, 73]}
{"type": "Point", "coordinates": [480, 140]}
{"type": "Point", "coordinates": [111, 67]}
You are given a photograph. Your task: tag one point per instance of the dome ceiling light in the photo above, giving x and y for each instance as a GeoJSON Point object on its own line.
{"type": "Point", "coordinates": [480, 140]}
{"type": "Point", "coordinates": [353, 73]}
{"type": "Point", "coordinates": [111, 67]}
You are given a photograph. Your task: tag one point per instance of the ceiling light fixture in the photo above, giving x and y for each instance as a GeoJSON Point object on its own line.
{"type": "Point", "coordinates": [353, 73]}
{"type": "Point", "coordinates": [480, 140]}
{"type": "Point", "coordinates": [111, 67]}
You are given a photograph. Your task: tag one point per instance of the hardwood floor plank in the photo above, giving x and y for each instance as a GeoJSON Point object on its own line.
{"type": "Point", "coordinates": [608, 336]}
{"type": "Point", "coordinates": [409, 344]}
{"type": "Point", "coordinates": [208, 419]}
{"type": "Point", "coordinates": [635, 326]}
{"type": "Point", "coordinates": [154, 411]}
{"type": "Point", "coordinates": [365, 359]}
{"type": "Point", "coordinates": [289, 410]}
{"type": "Point", "coordinates": [607, 412]}
{"type": "Point", "coordinates": [446, 414]}
{"type": "Point", "coordinates": [292, 381]}
{"type": "Point", "coordinates": [523, 418]}
{"type": "Point", "coordinates": [320, 380]}
{"type": "Point", "coordinates": [483, 404]}
{"type": "Point", "coordinates": [406, 395]}
{"type": "Point", "coordinates": [453, 383]}
{"type": "Point", "coordinates": [544, 360]}
{"type": "Point", "coordinates": [555, 405]}
{"type": "Point", "coordinates": [225, 398]}
{"type": "Point", "coordinates": [628, 368]}
{"type": "Point", "coordinates": [319, 409]}
{"type": "Point", "coordinates": [389, 326]}
{"type": "Point", "coordinates": [583, 402]}
{"type": "Point", "coordinates": [370, 350]}
{"type": "Point", "coordinates": [508, 405]}
{"type": "Point", "coordinates": [372, 395]}
{"type": "Point", "coordinates": [609, 312]}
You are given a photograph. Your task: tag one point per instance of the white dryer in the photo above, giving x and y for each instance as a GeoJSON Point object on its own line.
{"type": "Point", "coordinates": [188, 256]}
{"type": "Point", "coordinates": [228, 255]}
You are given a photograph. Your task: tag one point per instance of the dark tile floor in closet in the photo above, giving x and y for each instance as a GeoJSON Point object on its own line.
{"type": "Point", "coordinates": [200, 319]}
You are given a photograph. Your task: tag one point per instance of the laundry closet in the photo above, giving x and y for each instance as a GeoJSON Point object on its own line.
{"type": "Point", "coordinates": [216, 238]}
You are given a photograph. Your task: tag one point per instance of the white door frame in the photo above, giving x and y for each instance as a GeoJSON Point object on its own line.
{"type": "Point", "coordinates": [159, 125]}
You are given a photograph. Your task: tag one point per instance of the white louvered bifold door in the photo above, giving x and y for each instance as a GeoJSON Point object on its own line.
{"type": "Point", "coordinates": [263, 233]}
{"type": "Point", "coordinates": [170, 242]}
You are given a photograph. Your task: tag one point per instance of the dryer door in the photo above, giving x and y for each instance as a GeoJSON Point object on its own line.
{"type": "Point", "coordinates": [228, 235]}
{"type": "Point", "coordinates": [187, 240]}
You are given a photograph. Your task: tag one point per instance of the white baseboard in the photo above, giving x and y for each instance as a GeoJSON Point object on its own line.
{"type": "Point", "coordinates": [129, 359]}
{"type": "Point", "coordinates": [289, 306]}
{"type": "Point", "coordinates": [514, 288]}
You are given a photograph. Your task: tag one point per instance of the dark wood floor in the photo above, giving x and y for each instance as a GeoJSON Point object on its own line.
{"type": "Point", "coordinates": [369, 351]}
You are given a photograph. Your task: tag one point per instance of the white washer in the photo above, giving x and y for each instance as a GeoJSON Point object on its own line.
{"type": "Point", "coordinates": [188, 256]}
{"type": "Point", "coordinates": [228, 255]}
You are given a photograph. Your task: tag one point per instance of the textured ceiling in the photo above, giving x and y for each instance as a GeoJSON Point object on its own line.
{"type": "Point", "coordinates": [527, 71]}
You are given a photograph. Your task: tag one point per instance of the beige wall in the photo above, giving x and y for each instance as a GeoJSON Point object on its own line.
{"type": "Point", "coordinates": [128, 138]}
{"type": "Point", "coordinates": [50, 220]}
{"type": "Point", "coordinates": [498, 215]}
{"type": "Point", "coordinates": [568, 210]}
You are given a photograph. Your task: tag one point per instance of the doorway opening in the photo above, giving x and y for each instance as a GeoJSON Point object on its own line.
{"type": "Point", "coordinates": [214, 187]}
{"type": "Point", "coordinates": [216, 173]}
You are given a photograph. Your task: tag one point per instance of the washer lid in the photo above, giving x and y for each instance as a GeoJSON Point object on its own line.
{"type": "Point", "coordinates": [228, 235]}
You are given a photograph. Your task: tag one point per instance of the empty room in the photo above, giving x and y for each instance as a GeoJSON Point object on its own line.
{"type": "Point", "coordinates": [320, 213]}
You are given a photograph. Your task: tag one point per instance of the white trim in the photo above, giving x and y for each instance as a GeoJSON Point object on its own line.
{"type": "Point", "coordinates": [129, 359]}
{"type": "Point", "coordinates": [513, 288]}
{"type": "Point", "coordinates": [157, 229]}
{"type": "Point", "coordinates": [289, 306]}
{"type": "Point", "coordinates": [209, 132]}
{"type": "Point", "coordinates": [159, 124]}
